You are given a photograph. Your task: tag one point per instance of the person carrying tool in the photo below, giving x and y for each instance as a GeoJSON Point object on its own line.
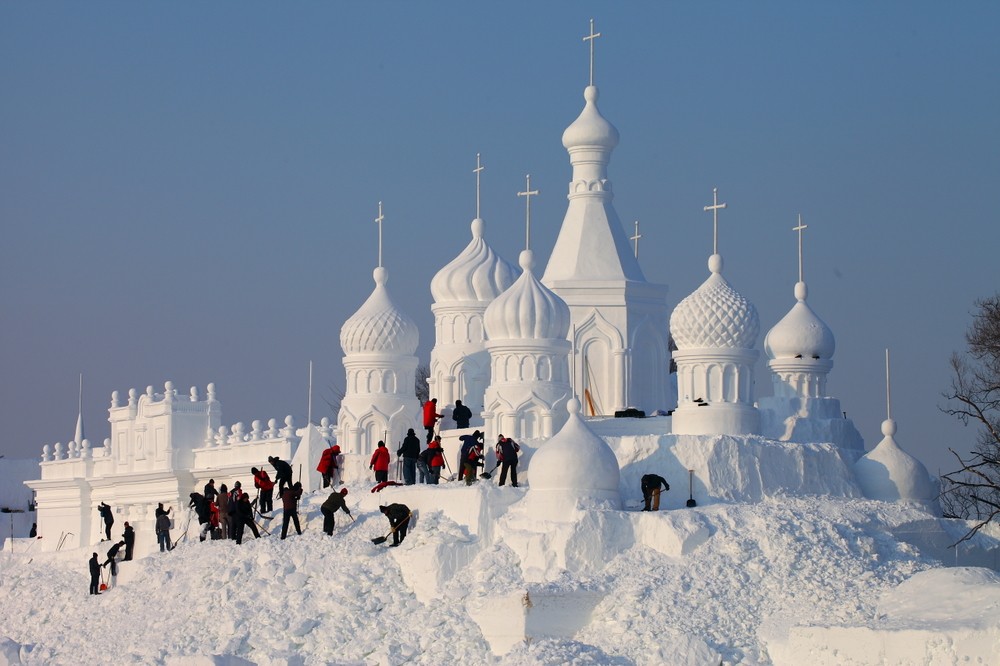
{"type": "Point", "coordinates": [330, 506]}
{"type": "Point", "coordinates": [327, 466]}
{"type": "Point", "coordinates": [380, 463]}
{"type": "Point", "coordinates": [468, 441]}
{"type": "Point", "coordinates": [282, 472]}
{"type": "Point", "coordinates": [651, 484]}
{"type": "Point", "coordinates": [472, 462]}
{"type": "Point", "coordinates": [113, 559]}
{"type": "Point", "coordinates": [399, 519]}
{"type": "Point", "coordinates": [109, 519]}
{"type": "Point", "coordinates": [244, 518]}
{"type": "Point", "coordinates": [431, 417]}
{"type": "Point", "coordinates": [265, 485]}
{"type": "Point", "coordinates": [290, 505]}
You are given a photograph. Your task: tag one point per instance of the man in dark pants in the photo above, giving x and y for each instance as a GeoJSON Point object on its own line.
{"type": "Point", "coordinates": [508, 450]}
{"type": "Point", "coordinates": [95, 575]}
{"type": "Point", "coordinates": [330, 506]}
{"type": "Point", "coordinates": [399, 519]}
{"type": "Point", "coordinates": [282, 472]}
{"type": "Point", "coordinates": [112, 559]}
{"type": "Point", "coordinates": [408, 453]}
{"type": "Point", "coordinates": [290, 505]}
{"type": "Point", "coordinates": [265, 485]}
{"type": "Point", "coordinates": [129, 537]}
{"type": "Point", "coordinates": [651, 484]}
{"type": "Point", "coordinates": [244, 518]}
{"type": "Point", "coordinates": [109, 519]}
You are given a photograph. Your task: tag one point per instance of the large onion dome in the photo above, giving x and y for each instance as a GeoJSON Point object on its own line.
{"type": "Point", "coordinates": [800, 333]}
{"type": "Point", "coordinates": [379, 327]}
{"type": "Point", "coordinates": [528, 310]}
{"type": "Point", "coordinates": [476, 274]}
{"type": "Point", "coordinates": [715, 315]}
{"type": "Point", "coordinates": [576, 459]}
{"type": "Point", "coordinates": [590, 128]}
{"type": "Point", "coordinates": [889, 473]}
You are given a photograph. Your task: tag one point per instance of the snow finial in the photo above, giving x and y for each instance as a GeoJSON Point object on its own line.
{"type": "Point", "coordinates": [478, 170]}
{"type": "Point", "coordinates": [715, 208]}
{"type": "Point", "coordinates": [378, 221]}
{"type": "Point", "coordinates": [636, 238]}
{"type": "Point", "coordinates": [590, 38]}
{"type": "Point", "coordinates": [527, 194]}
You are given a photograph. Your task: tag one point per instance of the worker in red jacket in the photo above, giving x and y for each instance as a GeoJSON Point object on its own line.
{"type": "Point", "coordinates": [328, 464]}
{"type": "Point", "coordinates": [264, 483]}
{"type": "Point", "coordinates": [431, 417]}
{"type": "Point", "coordinates": [380, 463]}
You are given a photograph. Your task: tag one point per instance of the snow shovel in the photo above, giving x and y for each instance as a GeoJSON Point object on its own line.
{"type": "Point", "coordinates": [104, 585]}
{"type": "Point", "coordinates": [382, 539]}
{"type": "Point", "coordinates": [486, 475]}
{"type": "Point", "coordinates": [691, 501]}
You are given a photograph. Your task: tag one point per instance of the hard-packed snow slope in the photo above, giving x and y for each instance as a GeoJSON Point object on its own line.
{"type": "Point", "coordinates": [764, 569]}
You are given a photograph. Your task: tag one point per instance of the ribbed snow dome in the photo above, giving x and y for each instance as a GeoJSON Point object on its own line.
{"type": "Point", "coordinates": [889, 473]}
{"type": "Point", "coordinates": [715, 315]}
{"type": "Point", "coordinates": [576, 459]}
{"type": "Point", "coordinates": [528, 310]}
{"type": "Point", "coordinates": [590, 128]}
{"type": "Point", "coordinates": [477, 274]}
{"type": "Point", "coordinates": [379, 326]}
{"type": "Point", "coordinates": [800, 332]}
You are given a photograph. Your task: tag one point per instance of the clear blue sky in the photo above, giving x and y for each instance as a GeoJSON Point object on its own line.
{"type": "Point", "coordinates": [187, 189]}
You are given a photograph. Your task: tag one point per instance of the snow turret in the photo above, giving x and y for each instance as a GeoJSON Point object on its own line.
{"type": "Point", "coordinates": [460, 364]}
{"type": "Point", "coordinates": [379, 342]}
{"type": "Point", "coordinates": [526, 328]}
{"type": "Point", "coordinates": [889, 473]}
{"type": "Point", "coordinates": [715, 329]}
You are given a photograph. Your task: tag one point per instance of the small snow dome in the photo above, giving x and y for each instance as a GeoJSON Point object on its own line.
{"type": "Point", "coordinates": [576, 460]}
{"type": "Point", "coordinates": [476, 274]}
{"type": "Point", "coordinates": [379, 326]}
{"type": "Point", "coordinates": [800, 333]}
{"type": "Point", "coordinates": [889, 473]}
{"type": "Point", "coordinates": [528, 310]}
{"type": "Point", "coordinates": [590, 128]}
{"type": "Point", "coordinates": [715, 315]}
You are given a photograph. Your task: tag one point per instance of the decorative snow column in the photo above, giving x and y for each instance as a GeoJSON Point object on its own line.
{"type": "Point", "coordinates": [379, 342]}
{"type": "Point", "coordinates": [462, 290]}
{"type": "Point", "coordinates": [619, 320]}
{"type": "Point", "coordinates": [715, 329]}
{"type": "Point", "coordinates": [526, 329]}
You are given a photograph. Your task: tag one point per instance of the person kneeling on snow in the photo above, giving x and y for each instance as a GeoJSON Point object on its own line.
{"type": "Point", "coordinates": [399, 518]}
{"type": "Point", "coordinates": [651, 484]}
{"type": "Point", "coordinates": [330, 506]}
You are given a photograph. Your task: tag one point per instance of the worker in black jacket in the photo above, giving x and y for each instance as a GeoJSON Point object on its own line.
{"type": "Point", "coordinates": [651, 485]}
{"type": "Point", "coordinates": [282, 472]}
{"type": "Point", "coordinates": [95, 575]}
{"type": "Point", "coordinates": [399, 519]}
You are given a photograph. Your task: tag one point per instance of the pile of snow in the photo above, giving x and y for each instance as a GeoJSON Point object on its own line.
{"type": "Point", "coordinates": [736, 583]}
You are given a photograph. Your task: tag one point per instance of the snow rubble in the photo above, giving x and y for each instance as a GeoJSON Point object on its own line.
{"type": "Point", "coordinates": [800, 575]}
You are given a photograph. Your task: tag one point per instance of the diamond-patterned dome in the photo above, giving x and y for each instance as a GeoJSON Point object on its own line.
{"type": "Point", "coordinates": [715, 316]}
{"type": "Point", "coordinates": [379, 326]}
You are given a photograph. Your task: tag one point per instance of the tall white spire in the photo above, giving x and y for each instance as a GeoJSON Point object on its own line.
{"type": "Point", "coordinates": [79, 435]}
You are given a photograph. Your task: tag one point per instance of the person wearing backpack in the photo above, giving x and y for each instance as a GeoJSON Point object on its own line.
{"type": "Point", "coordinates": [507, 450]}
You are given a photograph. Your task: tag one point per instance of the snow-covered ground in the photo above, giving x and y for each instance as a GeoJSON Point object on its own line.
{"type": "Point", "coordinates": [786, 580]}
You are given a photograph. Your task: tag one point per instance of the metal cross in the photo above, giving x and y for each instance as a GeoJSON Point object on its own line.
{"type": "Point", "coordinates": [378, 221]}
{"type": "Point", "coordinates": [478, 170]}
{"type": "Point", "coordinates": [800, 229]}
{"type": "Point", "coordinates": [636, 239]}
{"type": "Point", "coordinates": [590, 38]}
{"type": "Point", "coordinates": [715, 208]}
{"type": "Point", "coordinates": [527, 194]}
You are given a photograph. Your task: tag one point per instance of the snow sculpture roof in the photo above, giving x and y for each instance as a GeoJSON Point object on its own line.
{"type": "Point", "coordinates": [379, 326]}
{"type": "Point", "coordinates": [576, 459]}
{"type": "Point", "coordinates": [800, 333]}
{"type": "Point", "coordinates": [715, 315]}
{"type": "Point", "coordinates": [528, 310]}
{"type": "Point", "coordinates": [476, 274]}
{"type": "Point", "coordinates": [590, 128]}
{"type": "Point", "coordinates": [889, 473]}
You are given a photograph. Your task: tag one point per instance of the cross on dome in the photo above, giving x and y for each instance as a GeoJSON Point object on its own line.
{"type": "Point", "coordinates": [527, 194]}
{"type": "Point", "coordinates": [590, 38]}
{"type": "Point", "coordinates": [478, 170]}
{"type": "Point", "coordinates": [800, 229]}
{"type": "Point", "coordinates": [378, 221]}
{"type": "Point", "coordinates": [636, 238]}
{"type": "Point", "coordinates": [715, 208]}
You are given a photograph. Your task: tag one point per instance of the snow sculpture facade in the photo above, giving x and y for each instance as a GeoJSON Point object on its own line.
{"type": "Point", "coordinates": [162, 447]}
{"type": "Point", "coordinates": [379, 342]}
{"type": "Point", "coordinates": [619, 320]}
{"type": "Point", "coordinates": [462, 290]}
{"type": "Point", "coordinates": [889, 473]}
{"type": "Point", "coordinates": [715, 330]}
{"type": "Point", "coordinates": [526, 329]}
